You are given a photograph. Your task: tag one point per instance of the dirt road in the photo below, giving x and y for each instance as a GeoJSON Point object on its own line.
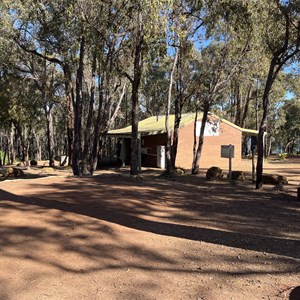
{"type": "Point", "coordinates": [114, 237]}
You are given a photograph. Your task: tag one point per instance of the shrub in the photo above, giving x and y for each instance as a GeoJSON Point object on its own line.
{"type": "Point", "coordinates": [283, 156]}
{"type": "Point", "coordinates": [33, 162]}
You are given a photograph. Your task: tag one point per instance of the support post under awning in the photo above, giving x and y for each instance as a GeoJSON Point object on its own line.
{"type": "Point", "coordinates": [139, 153]}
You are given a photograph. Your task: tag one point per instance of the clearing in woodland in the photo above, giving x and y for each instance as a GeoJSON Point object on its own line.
{"type": "Point", "coordinates": [114, 237]}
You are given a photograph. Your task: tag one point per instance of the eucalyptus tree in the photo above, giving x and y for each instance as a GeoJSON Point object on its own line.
{"type": "Point", "coordinates": [242, 104]}
{"type": "Point", "coordinates": [50, 30]}
{"type": "Point", "coordinates": [228, 43]}
{"type": "Point", "coordinates": [183, 22]}
{"type": "Point", "coordinates": [48, 82]}
{"type": "Point", "coordinates": [282, 41]}
{"type": "Point", "coordinates": [167, 125]}
{"type": "Point", "coordinates": [216, 71]}
{"type": "Point", "coordinates": [19, 107]}
{"type": "Point", "coordinates": [20, 111]}
{"type": "Point", "coordinates": [290, 129]}
{"type": "Point", "coordinates": [155, 85]}
{"type": "Point", "coordinates": [146, 26]}
{"type": "Point", "coordinates": [267, 29]}
{"type": "Point", "coordinates": [45, 81]}
{"type": "Point", "coordinates": [6, 61]}
{"type": "Point", "coordinates": [59, 33]}
{"type": "Point", "coordinates": [100, 59]}
{"type": "Point", "coordinates": [188, 21]}
{"type": "Point", "coordinates": [104, 77]}
{"type": "Point", "coordinates": [245, 90]}
{"type": "Point", "coordinates": [277, 99]}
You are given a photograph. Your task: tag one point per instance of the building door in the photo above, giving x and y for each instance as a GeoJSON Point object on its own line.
{"type": "Point", "coordinates": [161, 157]}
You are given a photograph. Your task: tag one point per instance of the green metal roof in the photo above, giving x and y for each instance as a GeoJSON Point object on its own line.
{"type": "Point", "coordinates": [156, 125]}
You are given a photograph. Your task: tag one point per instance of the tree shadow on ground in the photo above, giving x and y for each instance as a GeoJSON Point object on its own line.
{"type": "Point", "coordinates": [130, 204]}
{"type": "Point", "coordinates": [71, 226]}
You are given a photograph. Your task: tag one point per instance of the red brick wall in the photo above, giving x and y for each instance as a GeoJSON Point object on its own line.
{"type": "Point", "coordinates": [211, 151]}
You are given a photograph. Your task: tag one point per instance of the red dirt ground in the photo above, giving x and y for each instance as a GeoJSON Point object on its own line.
{"type": "Point", "coordinates": [114, 237]}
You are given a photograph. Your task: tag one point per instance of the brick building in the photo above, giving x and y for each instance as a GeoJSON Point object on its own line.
{"type": "Point", "coordinates": [152, 141]}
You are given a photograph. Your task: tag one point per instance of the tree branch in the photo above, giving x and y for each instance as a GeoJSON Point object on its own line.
{"type": "Point", "coordinates": [35, 52]}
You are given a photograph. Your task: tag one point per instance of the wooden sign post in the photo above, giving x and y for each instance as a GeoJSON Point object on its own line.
{"type": "Point", "coordinates": [227, 151]}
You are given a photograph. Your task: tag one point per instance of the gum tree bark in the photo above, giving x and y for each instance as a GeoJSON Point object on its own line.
{"type": "Point", "coordinates": [87, 137]}
{"type": "Point", "coordinates": [289, 49]}
{"type": "Point", "coordinates": [135, 85]}
{"type": "Point", "coordinates": [167, 125]}
{"type": "Point", "coordinates": [50, 134]}
{"type": "Point", "coordinates": [78, 112]}
{"type": "Point", "coordinates": [197, 155]}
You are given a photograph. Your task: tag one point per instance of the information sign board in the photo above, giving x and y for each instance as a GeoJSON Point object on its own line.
{"type": "Point", "coordinates": [227, 151]}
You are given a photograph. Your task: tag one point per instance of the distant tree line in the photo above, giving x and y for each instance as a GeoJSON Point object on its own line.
{"type": "Point", "coordinates": [72, 70]}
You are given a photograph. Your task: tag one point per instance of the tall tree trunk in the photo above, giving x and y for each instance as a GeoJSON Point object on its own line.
{"type": "Point", "coordinates": [24, 138]}
{"type": "Point", "coordinates": [196, 161]}
{"type": "Point", "coordinates": [26, 153]}
{"type": "Point", "coordinates": [78, 112]}
{"type": "Point", "coordinates": [87, 137]}
{"type": "Point", "coordinates": [246, 106]}
{"type": "Point", "coordinates": [134, 125]}
{"type": "Point", "coordinates": [70, 111]}
{"type": "Point", "coordinates": [38, 152]}
{"type": "Point", "coordinates": [96, 140]}
{"type": "Point", "coordinates": [287, 147]}
{"type": "Point", "coordinates": [50, 134]}
{"type": "Point", "coordinates": [268, 150]}
{"type": "Point", "coordinates": [11, 149]}
{"type": "Point", "coordinates": [178, 111]}
{"type": "Point", "coordinates": [238, 104]}
{"type": "Point", "coordinates": [195, 138]}
{"type": "Point", "coordinates": [280, 57]}
{"type": "Point", "coordinates": [168, 146]}
{"type": "Point", "coordinates": [94, 159]}
{"type": "Point", "coordinates": [5, 155]}
{"type": "Point", "coordinates": [137, 74]}
{"type": "Point", "coordinates": [263, 125]}
{"type": "Point", "coordinates": [256, 105]}
{"type": "Point", "coordinates": [24, 144]}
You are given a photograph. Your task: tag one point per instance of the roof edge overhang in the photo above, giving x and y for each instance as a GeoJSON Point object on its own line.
{"type": "Point", "coordinates": [126, 132]}
{"type": "Point", "coordinates": [140, 133]}
{"type": "Point", "coordinates": [245, 131]}
{"type": "Point", "coordinates": [249, 132]}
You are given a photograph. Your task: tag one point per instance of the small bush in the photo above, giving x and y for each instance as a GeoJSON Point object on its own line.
{"type": "Point", "coordinates": [33, 162]}
{"type": "Point", "coordinates": [282, 156]}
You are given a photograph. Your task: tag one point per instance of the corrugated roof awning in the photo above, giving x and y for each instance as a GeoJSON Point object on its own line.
{"type": "Point", "coordinates": [154, 125]}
